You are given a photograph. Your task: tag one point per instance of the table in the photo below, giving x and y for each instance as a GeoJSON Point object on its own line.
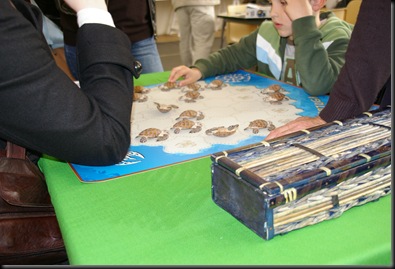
{"type": "Point", "coordinates": [237, 19]}
{"type": "Point", "coordinates": [166, 217]}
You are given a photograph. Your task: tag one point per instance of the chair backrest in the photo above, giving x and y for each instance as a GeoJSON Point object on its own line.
{"type": "Point", "coordinates": [237, 30]}
{"type": "Point", "coordinates": [352, 11]}
{"type": "Point", "coordinates": [339, 12]}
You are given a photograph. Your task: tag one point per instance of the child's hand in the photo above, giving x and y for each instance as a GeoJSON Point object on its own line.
{"type": "Point", "coordinates": [296, 9]}
{"type": "Point", "coordinates": [190, 75]}
{"type": "Point", "coordinates": [77, 5]}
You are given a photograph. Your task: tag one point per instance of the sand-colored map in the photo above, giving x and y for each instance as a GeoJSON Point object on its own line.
{"type": "Point", "coordinates": [232, 104]}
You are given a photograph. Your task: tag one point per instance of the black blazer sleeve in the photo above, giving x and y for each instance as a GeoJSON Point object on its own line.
{"type": "Point", "coordinates": [43, 110]}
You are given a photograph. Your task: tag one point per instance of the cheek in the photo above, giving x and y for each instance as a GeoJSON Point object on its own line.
{"type": "Point", "coordinates": [287, 21]}
{"type": "Point", "coordinates": [286, 27]}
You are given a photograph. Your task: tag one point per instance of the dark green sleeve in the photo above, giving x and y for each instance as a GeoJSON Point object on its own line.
{"type": "Point", "coordinates": [231, 58]}
{"type": "Point", "coordinates": [317, 66]}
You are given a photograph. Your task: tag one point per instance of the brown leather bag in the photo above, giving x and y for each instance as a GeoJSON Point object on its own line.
{"type": "Point", "coordinates": [29, 231]}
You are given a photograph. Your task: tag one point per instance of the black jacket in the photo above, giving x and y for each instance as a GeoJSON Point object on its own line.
{"type": "Point", "coordinates": [43, 110]}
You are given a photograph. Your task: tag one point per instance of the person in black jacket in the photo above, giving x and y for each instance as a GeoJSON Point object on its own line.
{"type": "Point", "coordinates": [366, 75]}
{"type": "Point", "coordinates": [43, 110]}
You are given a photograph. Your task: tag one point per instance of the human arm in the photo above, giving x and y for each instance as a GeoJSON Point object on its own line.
{"type": "Point", "coordinates": [241, 55]}
{"type": "Point", "coordinates": [367, 68]}
{"type": "Point", "coordinates": [78, 5]}
{"type": "Point", "coordinates": [320, 41]}
{"type": "Point", "coordinates": [320, 52]}
{"type": "Point", "coordinates": [43, 110]}
{"type": "Point", "coordinates": [297, 9]}
{"type": "Point", "coordinates": [189, 75]}
{"type": "Point", "coordinates": [300, 123]}
{"type": "Point", "coordinates": [224, 61]}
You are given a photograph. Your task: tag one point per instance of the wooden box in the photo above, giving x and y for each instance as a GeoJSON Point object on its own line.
{"type": "Point", "coordinates": [305, 177]}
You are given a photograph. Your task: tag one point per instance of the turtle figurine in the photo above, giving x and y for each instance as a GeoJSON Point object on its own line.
{"type": "Point", "coordinates": [275, 98]}
{"type": "Point", "coordinates": [167, 86]}
{"type": "Point", "coordinates": [139, 97]}
{"type": "Point", "coordinates": [216, 84]}
{"type": "Point", "coordinates": [140, 89]}
{"type": "Point", "coordinates": [151, 133]}
{"type": "Point", "coordinates": [192, 87]}
{"type": "Point", "coordinates": [191, 96]}
{"type": "Point", "coordinates": [164, 108]}
{"type": "Point", "coordinates": [186, 124]}
{"type": "Point", "coordinates": [255, 125]}
{"type": "Point", "coordinates": [222, 131]}
{"type": "Point", "coordinates": [191, 114]}
{"type": "Point", "coordinates": [273, 88]}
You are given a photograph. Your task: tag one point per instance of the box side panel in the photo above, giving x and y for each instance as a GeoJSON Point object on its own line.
{"type": "Point", "coordinates": [243, 201]}
{"type": "Point", "coordinates": [332, 202]}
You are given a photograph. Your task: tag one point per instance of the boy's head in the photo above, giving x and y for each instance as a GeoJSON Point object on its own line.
{"type": "Point", "coordinates": [283, 12]}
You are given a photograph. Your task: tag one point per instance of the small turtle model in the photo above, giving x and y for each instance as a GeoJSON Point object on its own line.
{"type": "Point", "coordinates": [191, 114]}
{"type": "Point", "coordinates": [273, 88]}
{"type": "Point", "coordinates": [140, 89]}
{"type": "Point", "coordinates": [151, 133]}
{"type": "Point", "coordinates": [164, 108]}
{"type": "Point", "coordinates": [255, 125]}
{"type": "Point", "coordinates": [186, 124]}
{"type": "Point", "coordinates": [222, 131]}
{"type": "Point", "coordinates": [275, 97]}
{"type": "Point", "coordinates": [192, 87]}
{"type": "Point", "coordinates": [191, 96]}
{"type": "Point", "coordinates": [139, 97]}
{"type": "Point", "coordinates": [167, 86]}
{"type": "Point", "coordinates": [216, 84]}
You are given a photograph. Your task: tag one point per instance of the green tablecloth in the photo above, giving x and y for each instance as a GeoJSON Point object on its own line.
{"type": "Point", "coordinates": [166, 217]}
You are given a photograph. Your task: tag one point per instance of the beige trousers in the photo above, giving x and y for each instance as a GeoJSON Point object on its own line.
{"type": "Point", "coordinates": [197, 31]}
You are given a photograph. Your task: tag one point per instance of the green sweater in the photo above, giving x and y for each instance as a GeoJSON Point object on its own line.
{"type": "Point", "coordinates": [319, 53]}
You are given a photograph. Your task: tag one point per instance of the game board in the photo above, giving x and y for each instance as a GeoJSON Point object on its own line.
{"type": "Point", "coordinates": [222, 120]}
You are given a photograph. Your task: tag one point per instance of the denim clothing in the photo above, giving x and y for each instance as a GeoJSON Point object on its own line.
{"type": "Point", "coordinates": [145, 51]}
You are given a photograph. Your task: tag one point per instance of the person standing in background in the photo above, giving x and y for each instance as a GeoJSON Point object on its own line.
{"type": "Point", "coordinates": [137, 19]}
{"type": "Point", "coordinates": [196, 20]}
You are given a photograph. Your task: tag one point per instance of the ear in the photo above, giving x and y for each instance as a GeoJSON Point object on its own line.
{"type": "Point", "coordinates": [317, 4]}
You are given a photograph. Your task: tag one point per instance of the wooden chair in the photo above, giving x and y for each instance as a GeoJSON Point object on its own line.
{"type": "Point", "coordinates": [235, 31]}
{"type": "Point", "coordinates": [339, 12]}
{"type": "Point", "coordinates": [352, 11]}
{"type": "Point", "coordinates": [60, 60]}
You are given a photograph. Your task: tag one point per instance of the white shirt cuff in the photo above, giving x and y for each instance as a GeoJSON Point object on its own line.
{"type": "Point", "coordinates": [94, 15]}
